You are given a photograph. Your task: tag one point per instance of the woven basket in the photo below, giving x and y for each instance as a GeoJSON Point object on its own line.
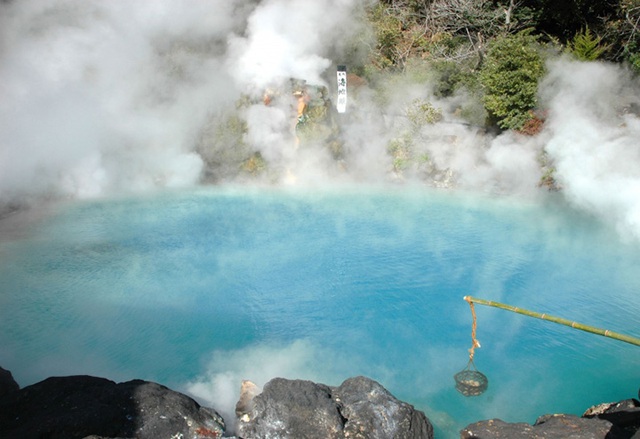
{"type": "Point", "coordinates": [471, 382]}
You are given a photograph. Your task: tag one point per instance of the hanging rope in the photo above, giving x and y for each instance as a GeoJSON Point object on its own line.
{"type": "Point", "coordinates": [474, 341]}
{"type": "Point", "coordinates": [470, 381]}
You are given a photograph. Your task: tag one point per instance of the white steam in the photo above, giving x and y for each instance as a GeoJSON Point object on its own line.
{"type": "Point", "coordinates": [594, 128]}
{"type": "Point", "coordinates": [219, 386]}
{"type": "Point", "coordinates": [285, 39]}
{"type": "Point", "coordinates": [590, 136]}
{"type": "Point", "coordinates": [111, 96]}
{"type": "Point", "coordinates": [104, 97]}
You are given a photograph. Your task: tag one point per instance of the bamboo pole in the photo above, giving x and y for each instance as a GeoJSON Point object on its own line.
{"type": "Point", "coordinates": [575, 325]}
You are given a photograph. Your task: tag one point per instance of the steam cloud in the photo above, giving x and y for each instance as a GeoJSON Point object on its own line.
{"type": "Point", "coordinates": [108, 97]}
{"type": "Point", "coordinates": [594, 130]}
{"type": "Point", "coordinates": [101, 97]}
{"type": "Point", "coordinates": [301, 359]}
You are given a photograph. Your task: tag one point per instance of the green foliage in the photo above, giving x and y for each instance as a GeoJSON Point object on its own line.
{"type": "Point", "coordinates": [417, 7]}
{"type": "Point", "coordinates": [622, 34]}
{"type": "Point", "coordinates": [629, 32]}
{"type": "Point", "coordinates": [388, 32]}
{"type": "Point", "coordinates": [548, 177]}
{"type": "Point", "coordinates": [400, 151]}
{"type": "Point", "coordinates": [633, 57]}
{"type": "Point", "coordinates": [509, 77]}
{"type": "Point", "coordinates": [449, 77]}
{"type": "Point", "coordinates": [422, 112]}
{"type": "Point", "coordinates": [446, 77]}
{"type": "Point", "coordinates": [586, 46]}
{"type": "Point", "coordinates": [563, 19]}
{"type": "Point", "coordinates": [316, 126]}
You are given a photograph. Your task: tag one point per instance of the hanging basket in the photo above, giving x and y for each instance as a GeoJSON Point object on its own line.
{"type": "Point", "coordinates": [471, 382]}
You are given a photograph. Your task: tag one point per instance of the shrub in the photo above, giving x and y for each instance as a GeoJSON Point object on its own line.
{"type": "Point", "coordinates": [449, 77]}
{"type": "Point", "coordinates": [586, 46]}
{"type": "Point", "coordinates": [422, 112]}
{"type": "Point", "coordinates": [400, 150]}
{"type": "Point", "coordinates": [632, 56]}
{"type": "Point", "coordinates": [388, 33]}
{"type": "Point", "coordinates": [509, 76]}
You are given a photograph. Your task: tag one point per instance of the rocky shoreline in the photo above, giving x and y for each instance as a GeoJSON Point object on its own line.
{"type": "Point", "coordinates": [97, 408]}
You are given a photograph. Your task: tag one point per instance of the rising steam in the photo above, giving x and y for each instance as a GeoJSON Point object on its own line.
{"type": "Point", "coordinates": [594, 132]}
{"type": "Point", "coordinates": [110, 97]}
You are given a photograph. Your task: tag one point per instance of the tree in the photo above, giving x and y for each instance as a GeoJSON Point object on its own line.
{"type": "Point", "coordinates": [509, 76]}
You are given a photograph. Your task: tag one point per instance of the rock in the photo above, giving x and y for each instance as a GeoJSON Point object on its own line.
{"type": "Point", "coordinates": [549, 426]}
{"type": "Point", "coordinates": [81, 406]}
{"type": "Point", "coordinates": [372, 412]}
{"type": "Point", "coordinates": [620, 420]}
{"type": "Point", "coordinates": [8, 386]}
{"type": "Point", "coordinates": [358, 408]}
{"type": "Point", "coordinates": [248, 391]}
{"type": "Point", "coordinates": [292, 409]}
{"type": "Point", "coordinates": [624, 414]}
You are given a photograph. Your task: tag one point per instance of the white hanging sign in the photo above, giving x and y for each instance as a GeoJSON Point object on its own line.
{"type": "Point", "coordinates": [342, 89]}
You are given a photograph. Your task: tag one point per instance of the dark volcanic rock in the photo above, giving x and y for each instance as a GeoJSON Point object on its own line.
{"type": "Point", "coordinates": [551, 426]}
{"type": "Point", "coordinates": [359, 408]}
{"type": "Point", "coordinates": [292, 409]}
{"type": "Point", "coordinates": [619, 420]}
{"type": "Point", "coordinates": [80, 406]}
{"type": "Point", "coordinates": [8, 386]}
{"type": "Point", "coordinates": [372, 412]}
{"type": "Point", "coordinates": [624, 414]}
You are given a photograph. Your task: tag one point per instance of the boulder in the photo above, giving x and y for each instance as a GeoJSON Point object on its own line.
{"type": "Point", "coordinates": [371, 412]}
{"type": "Point", "coordinates": [81, 406]}
{"type": "Point", "coordinates": [624, 414]}
{"type": "Point", "coordinates": [549, 426]}
{"type": "Point", "coordinates": [617, 420]}
{"type": "Point", "coordinates": [292, 409]}
{"type": "Point", "coordinates": [358, 408]}
{"type": "Point", "coordinates": [8, 386]}
{"type": "Point", "coordinates": [248, 391]}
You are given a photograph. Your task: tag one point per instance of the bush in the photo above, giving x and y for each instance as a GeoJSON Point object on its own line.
{"type": "Point", "coordinates": [388, 33]}
{"type": "Point", "coordinates": [633, 58]}
{"type": "Point", "coordinates": [421, 112]}
{"type": "Point", "coordinates": [509, 77]}
{"type": "Point", "coordinates": [586, 46]}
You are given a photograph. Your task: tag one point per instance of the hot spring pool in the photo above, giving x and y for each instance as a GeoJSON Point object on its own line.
{"type": "Point", "coordinates": [201, 289]}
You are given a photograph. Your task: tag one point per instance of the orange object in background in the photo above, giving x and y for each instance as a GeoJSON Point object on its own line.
{"type": "Point", "coordinates": [303, 100]}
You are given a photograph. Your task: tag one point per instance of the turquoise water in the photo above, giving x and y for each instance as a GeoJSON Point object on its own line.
{"type": "Point", "coordinates": [199, 289]}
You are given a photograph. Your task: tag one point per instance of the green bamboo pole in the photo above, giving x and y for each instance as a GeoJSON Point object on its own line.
{"type": "Point", "coordinates": [575, 325]}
